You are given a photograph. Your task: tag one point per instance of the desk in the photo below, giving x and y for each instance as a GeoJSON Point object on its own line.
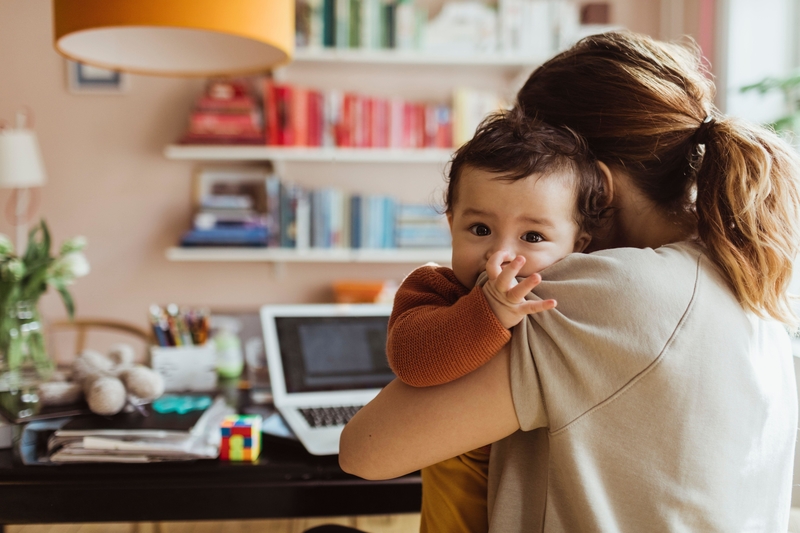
{"type": "Point", "coordinates": [286, 482]}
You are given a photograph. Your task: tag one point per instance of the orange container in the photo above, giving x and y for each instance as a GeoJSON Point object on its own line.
{"type": "Point", "coordinates": [358, 292]}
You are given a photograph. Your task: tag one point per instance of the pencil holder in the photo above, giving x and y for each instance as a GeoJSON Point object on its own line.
{"type": "Point", "coordinates": [186, 368]}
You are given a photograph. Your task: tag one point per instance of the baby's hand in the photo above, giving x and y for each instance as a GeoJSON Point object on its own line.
{"type": "Point", "coordinates": [506, 297]}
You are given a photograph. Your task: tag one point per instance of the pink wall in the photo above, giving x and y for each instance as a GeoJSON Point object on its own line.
{"type": "Point", "coordinates": [109, 182]}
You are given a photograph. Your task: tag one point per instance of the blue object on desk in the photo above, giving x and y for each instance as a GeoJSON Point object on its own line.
{"type": "Point", "coordinates": [181, 404]}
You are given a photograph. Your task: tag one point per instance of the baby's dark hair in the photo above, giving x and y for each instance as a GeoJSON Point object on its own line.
{"type": "Point", "coordinates": [510, 144]}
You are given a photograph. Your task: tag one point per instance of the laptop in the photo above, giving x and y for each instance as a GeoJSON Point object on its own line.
{"type": "Point", "coordinates": [325, 361]}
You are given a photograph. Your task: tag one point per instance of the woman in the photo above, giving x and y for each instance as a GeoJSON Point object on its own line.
{"type": "Point", "coordinates": [659, 395]}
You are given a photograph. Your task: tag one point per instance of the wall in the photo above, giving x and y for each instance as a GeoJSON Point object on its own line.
{"type": "Point", "coordinates": [109, 182]}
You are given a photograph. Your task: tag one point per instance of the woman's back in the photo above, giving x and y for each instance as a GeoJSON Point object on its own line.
{"type": "Point", "coordinates": [662, 405]}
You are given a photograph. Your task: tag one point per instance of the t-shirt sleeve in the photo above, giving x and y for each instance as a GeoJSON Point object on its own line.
{"type": "Point", "coordinates": [617, 311]}
{"type": "Point", "coordinates": [439, 330]}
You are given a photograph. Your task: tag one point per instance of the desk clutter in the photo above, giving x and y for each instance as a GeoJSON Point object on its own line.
{"type": "Point", "coordinates": [142, 436]}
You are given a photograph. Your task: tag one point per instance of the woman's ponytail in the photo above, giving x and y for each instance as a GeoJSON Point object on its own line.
{"type": "Point", "coordinates": [748, 211]}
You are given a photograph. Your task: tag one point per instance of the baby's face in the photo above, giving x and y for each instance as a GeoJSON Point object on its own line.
{"type": "Point", "coordinates": [532, 217]}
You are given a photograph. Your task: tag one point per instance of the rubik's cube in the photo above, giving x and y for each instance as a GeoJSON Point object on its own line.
{"type": "Point", "coordinates": [241, 438]}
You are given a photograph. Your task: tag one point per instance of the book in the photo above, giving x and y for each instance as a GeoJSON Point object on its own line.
{"type": "Point", "coordinates": [226, 236]}
{"type": "Point", "coordinates": [329, 23]}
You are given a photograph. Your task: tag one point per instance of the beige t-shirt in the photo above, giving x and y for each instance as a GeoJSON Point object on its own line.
{"type": "Point", "coordinates": [649, 401]}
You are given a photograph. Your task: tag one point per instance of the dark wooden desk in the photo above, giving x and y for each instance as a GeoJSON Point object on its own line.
{"type": "Point", "coordinates": [286, 482]}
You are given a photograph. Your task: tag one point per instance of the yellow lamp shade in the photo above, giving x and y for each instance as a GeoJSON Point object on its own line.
{"type": "Point", "coordinates": [176, 37]}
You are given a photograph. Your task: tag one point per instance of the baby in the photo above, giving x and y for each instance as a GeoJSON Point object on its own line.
{"type": "Point", "coordinates": [521, 196]}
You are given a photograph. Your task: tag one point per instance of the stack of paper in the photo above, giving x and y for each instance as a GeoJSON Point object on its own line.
{"type": "Point", "coordinates": [134, 438]}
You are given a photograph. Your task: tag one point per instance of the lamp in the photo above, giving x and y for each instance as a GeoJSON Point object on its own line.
{"type": "Point", "coordinates": [21, 167]}
{"type": "Point", "coordinates": [176, 37]}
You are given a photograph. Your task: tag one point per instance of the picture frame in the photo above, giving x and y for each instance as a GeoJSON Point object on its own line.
{"type": "Point", "coordinates": [87, 79]}
{"type": "Point", "coordinates": [229, 182]}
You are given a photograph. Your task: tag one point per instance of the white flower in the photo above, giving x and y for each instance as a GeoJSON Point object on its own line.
{"type": "Point", "coordinates": [14, 270]}
{"type": "Point", "coordinates": [70, 266]}
{"type": "Point", "coordinates": [6, 248]}
{"type": "Point", "coordinates": [75, 244]}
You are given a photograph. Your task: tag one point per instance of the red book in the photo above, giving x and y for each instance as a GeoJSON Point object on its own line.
{"type": "Point", "coordinates": [366, 122]}
{"type": "Point", "coordinates": [300, 116]}
{"type": "Point", "coordinates": [346, 131]}
{"type": "Point", "coordinates": [315, 118]}
{"type": "Point", "coordinates": [380, 123]}
{"type": "Point", "coordinates": [237, 103]}
{"type": "Point", "coordinates": [396, 116]}
{"type": "Point", "coordinates": [270, 112]}
{"type": "Point", "coordinates": [283, 97]}
{"type": "Point", "coordinates": [223, 124]}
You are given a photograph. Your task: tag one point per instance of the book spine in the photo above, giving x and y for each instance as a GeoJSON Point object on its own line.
{"type": "Point", "coordinates": [354, 40]}
{"type": "Point", "coordinates": [299, 118]}
{"type": "Point", "coordinates": [355, 221]}
{"type": "Point", "coordinates": [270, 112]}
{"type": "Point", "coordinates": [329, 23]}
{"type": "Point", "coordinates": [342, 23]}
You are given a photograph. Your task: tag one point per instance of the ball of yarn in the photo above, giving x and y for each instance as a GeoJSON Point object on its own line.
{"type": "Point", "coordinates": [105, 395]}
{"type": "Point", "coordinates": [122, 355]}
{"type": "Point", "coordinates": [143, 382]}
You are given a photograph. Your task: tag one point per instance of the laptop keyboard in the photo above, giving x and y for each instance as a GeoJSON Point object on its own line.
{"type": "Point", "coordinates": [318, 417]}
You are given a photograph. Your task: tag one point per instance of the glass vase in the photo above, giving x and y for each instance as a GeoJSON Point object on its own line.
{"type": "Point", "coordinates": [24, 362]}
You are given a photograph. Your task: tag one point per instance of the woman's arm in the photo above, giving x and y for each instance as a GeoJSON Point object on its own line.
{"type": "Point", "coordinates": [405, 428]}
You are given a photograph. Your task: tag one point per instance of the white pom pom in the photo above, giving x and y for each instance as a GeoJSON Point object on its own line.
{"type": "Point", "coordinates": [143, 382]}
{"type": "Point", "coordinates": [90, 362]}
{"type": "Point", "coordinates": [122, 354]}
{"type": "Point", "coordinates": [105, 396]}
{"type": "Point", "coordinates": [59, 392]}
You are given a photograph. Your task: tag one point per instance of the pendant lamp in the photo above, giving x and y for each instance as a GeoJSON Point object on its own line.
{"type": "Point", "coordinates": [176, 37]}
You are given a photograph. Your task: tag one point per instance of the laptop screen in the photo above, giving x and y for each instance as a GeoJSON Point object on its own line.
{"type": "Point", "coordinates": [330, 353]}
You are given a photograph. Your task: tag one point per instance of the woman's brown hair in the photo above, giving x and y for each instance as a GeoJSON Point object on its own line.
{"type": "Point", "coordinates": [646, 108]}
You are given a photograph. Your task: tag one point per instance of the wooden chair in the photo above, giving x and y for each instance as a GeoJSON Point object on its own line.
{"type": "Point", "coordinates": [81, 328]}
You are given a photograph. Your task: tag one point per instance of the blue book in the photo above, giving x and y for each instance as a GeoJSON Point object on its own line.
{"type": "Point", "coordinates": [329, 23]}
{"type": "Point", "coordinates": [226, 236]}
{"type": "Point", "coordinates": [355, 221]}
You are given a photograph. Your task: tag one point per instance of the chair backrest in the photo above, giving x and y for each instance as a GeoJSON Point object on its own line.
{"type": "Point", "coordinates": [83, 327]}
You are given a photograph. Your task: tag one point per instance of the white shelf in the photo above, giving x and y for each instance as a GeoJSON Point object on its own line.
{"type": "Point", "coordinates": [312, 255]}
{"type": "Point", "coordinates": [414, 58]}
{"type": "Point", "coordinates": [326, 155]}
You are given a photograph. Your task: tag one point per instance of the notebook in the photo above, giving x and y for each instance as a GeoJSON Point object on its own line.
{"type": "Point", "coordinates": [325, 362]}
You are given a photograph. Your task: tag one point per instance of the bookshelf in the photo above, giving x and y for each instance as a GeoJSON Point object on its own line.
{"type": "Point", "coordinates": [311, 255]}
{"type": "Point", "coordinates": [507, 63]}
{"type": "Point", "coordinates": [302, 154]}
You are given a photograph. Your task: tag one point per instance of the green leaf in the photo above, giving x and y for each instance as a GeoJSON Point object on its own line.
{"type": "Point", "coordinates": [68, 303]}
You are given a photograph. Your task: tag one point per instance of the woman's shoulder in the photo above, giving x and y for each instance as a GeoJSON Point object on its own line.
{"type": "Point", "coordinates": [629, 283]}
{"type": "Point", "coordinates": [632, 268]}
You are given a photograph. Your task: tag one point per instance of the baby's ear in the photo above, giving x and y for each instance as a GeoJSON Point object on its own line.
{"type": "Point", "coordinates": [582, 242]}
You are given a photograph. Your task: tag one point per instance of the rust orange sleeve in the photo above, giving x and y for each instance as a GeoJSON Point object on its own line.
{"type": "Point", "coordinates": [440, 330]}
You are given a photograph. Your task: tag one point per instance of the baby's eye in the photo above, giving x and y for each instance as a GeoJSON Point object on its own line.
{"type": "Point", "coordinates": [480, 230]}
{"type": "Point", "coordinates": [532, 236]}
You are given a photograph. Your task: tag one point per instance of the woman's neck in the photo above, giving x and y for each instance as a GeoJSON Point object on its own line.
{"type": "Point", "coordinates": [637, 222]}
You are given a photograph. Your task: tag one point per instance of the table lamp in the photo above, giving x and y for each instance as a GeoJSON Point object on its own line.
{"type": "Point", "coordinates": [176, 37]}
{"type": "Point", "coordinates": [21, 167]}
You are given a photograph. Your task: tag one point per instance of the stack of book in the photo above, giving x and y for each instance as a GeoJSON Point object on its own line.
{"type": "Point", "coordinates": [226, 113]}
{"type": "Point", "coordinates": [298, 116]}
{"type": "Point", "coordinates": [227, 220]}
{"type": "Point", "coordinates": [420, 226]}
{"type": "Point", "coordinates": [372, 24]}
